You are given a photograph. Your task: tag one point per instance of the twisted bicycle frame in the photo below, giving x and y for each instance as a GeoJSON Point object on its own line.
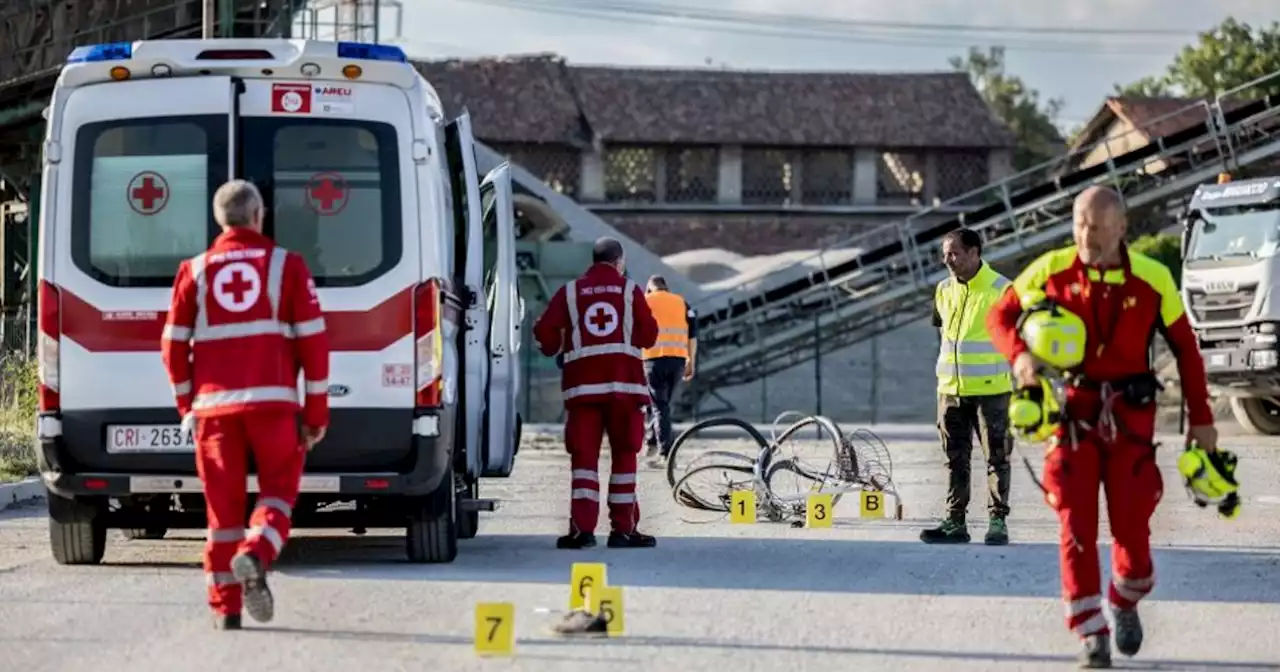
{"type": "Point", "coordinates": [846, 473]}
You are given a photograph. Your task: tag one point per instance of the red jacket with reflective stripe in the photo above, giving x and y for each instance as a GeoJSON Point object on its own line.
{"type": "Point", "coordinates": [1122, 309]}
{"type": "Point", "coordinates": [243, 323]}
{"type": "Point", "coordinates": [602, 324]}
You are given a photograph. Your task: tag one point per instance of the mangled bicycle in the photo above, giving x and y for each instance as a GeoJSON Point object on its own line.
{"type": "Point", "coordinates": [781, 474]}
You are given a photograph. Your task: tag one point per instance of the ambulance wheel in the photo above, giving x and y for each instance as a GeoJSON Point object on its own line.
{"type": "Point", "coordinates": [77, 533]}
{"type": "Point", "coordinates": [469, 521]}
{"type": "Point", "coordinates": [144, 533]}
{"type": "Point", "coordinates": [1258, 416]}
{"type": "Point", "coordinates": [432, 533]}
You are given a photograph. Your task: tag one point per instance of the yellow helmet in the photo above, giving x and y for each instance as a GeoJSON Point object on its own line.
{"type": "Point", "coordinates": [1034, 412]}
{"type": "Point", "coordinates": [1053, 334]}
{"type": "Point", "coordinates": [1210, 478]}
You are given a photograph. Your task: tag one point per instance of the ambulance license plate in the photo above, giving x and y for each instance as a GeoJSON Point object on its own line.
{"type": "Point", "coordinates": [149, 439]}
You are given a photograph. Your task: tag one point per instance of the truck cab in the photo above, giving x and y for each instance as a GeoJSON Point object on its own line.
{"type": "Point", "coordinates": [1231, 291]}
{"type": "Point", "coordinates": [413, 255]}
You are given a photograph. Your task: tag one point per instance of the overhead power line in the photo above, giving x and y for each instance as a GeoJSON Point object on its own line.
{"type": "Point", "coordinates": [828, 30]}
{"type": "Point", "coordinates": [827, 21]}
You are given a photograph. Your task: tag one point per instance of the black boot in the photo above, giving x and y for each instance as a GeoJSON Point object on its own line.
{"type": "Point", "coordinates": [257, 595]}
{"type": "Point", "coordinates": [576, 540]}
{"type": "Point", "coordinates": [226, 621]}
{"type": "Point", "coordinates": [631, 540]}
{"type": "Point", "coordinates": [951, 531]}
{"type": "Point", "coordinates": [1128, 630]}
{"type": "Point", "coordinates": [1096, 652]}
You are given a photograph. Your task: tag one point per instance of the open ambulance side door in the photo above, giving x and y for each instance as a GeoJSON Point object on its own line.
{"type": "Point", "coordinates": [461, 154]}
{"type": "Point", "coordinates": [506, 313]}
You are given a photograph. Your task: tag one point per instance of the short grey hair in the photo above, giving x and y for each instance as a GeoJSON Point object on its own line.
{"type": "Point", "coordinates": [236, 202]}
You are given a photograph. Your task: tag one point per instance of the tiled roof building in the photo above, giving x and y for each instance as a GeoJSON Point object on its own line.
{"type": "Point", "coordinates": [688, 158]}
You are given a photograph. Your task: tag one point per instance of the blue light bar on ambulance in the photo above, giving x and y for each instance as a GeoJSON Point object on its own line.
{"type": "Point", "coordinates": [97, 53]}
{"type": "Point", "coordinates": [371, 52]}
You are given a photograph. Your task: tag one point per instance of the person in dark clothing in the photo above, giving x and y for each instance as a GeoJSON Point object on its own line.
{"type": "Point", "coordinates": [670, 360]}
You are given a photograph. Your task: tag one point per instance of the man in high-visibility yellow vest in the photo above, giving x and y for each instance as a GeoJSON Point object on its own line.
{"type": "Point", "coordinates": [669, 360]}
{"type": "Point", "coordinates": [974, 385]}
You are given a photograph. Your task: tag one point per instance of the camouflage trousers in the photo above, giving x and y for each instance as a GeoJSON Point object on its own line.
{"type": "Point", "coordinates": [959, 418]}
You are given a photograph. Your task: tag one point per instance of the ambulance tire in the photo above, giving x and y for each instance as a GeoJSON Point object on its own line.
{"type": "Point", "coordinates": [468, 521]}
{"type": "Point", "coordinates": [77, 534]}
{"type": "Point", "coordinates": [431, 536]}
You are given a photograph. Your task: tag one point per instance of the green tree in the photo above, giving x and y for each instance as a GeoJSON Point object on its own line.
{"type": "Point", "coordinates": [1165, 248]}
{"type": "Point", "coordinates": [1019, 106]}
{"type": "Point", "coordinates": [1230, 55]}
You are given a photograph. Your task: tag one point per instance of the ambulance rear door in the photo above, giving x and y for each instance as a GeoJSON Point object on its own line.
{"type": "Point", "coordinates": [505, 315]}
{"type": "Point", "coordinates": [131, 168]}
{"type": "Point", "coordinates": [334, 162]}
{"type": "Point", "coordinates": [464, 177]}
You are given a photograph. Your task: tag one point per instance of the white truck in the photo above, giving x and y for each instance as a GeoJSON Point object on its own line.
{"type": "Point", "coordinates": [1231, 291]}
{"type": "Point", "coordinates": [414, 258]}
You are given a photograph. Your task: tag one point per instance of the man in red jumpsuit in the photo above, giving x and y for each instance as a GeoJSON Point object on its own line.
{"type": "Point", "coordinates": [600, 323]}
{"type": "Point", "coordinates": [1124, 298]}
{"type": "Point", "coordinates": [244, 319]}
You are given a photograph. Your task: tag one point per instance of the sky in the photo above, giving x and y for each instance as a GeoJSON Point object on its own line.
{"type": "Point", "coordinates": [1071, 63]}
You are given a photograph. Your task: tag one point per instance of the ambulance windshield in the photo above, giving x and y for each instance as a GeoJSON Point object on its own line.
{"type": "Point", "coordinates": [142, 191]}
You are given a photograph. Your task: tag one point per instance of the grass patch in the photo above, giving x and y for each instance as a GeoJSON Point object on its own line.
{"type": "Point", "coordinates": [17, 418]}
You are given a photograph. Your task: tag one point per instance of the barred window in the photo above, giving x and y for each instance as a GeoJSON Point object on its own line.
{"type": "Point", "coordinates": [630, 174]}
{"type": "Point", "coordinates": [960, 173]}
{"type": "Point", "coordinates": [768, 176]}
{"type": "Point", "coordinates": [901, 177]}
{"type": "Point", "coordinates": [827, 177]}
{"type": "Point", "coordinates": [693, 174]}
{"type": "Point", "coordinates": [558, 166]}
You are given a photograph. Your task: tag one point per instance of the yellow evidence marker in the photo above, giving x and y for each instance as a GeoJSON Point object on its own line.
{"type": "Point", "coordinates": [584, 577]}
{"type": "Point", "coordinates": [872, 504]}
{"type": "Point", "coordinates": [818, 511]}
{"type": "Point", "coordinates": [495, 628]}
{"type": "Point", "coordinates": [606, 601]}
{"type": "Point", "coordinates": [742, 506]}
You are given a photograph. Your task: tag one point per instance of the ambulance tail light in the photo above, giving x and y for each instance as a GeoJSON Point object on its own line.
{"type": "Point", "coordinates": [49, 324]}
{"type": "Point", "coordinates": [429, 359]}
{"type": "Point", "coordinates": [235, 55]}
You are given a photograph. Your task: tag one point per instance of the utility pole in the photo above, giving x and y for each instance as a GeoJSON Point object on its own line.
{"type": "Point", "coordinates": [207, 21]}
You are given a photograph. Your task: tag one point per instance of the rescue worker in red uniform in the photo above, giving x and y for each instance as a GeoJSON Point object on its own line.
{"type": "Point", "coordinates": [244, 320]}
{"type": "Point", "coordinates": [600, 324]}
{"type": "Point", "coordinates": [1108, 424]}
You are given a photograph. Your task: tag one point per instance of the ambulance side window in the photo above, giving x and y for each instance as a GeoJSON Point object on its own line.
{"type": "Point", "coordinates": [333, 193]}
{"type": "Point", "coordinates": [141, 192]}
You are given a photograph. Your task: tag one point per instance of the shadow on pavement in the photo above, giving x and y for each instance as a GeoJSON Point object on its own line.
{"type": "Point", "coordinates": [663, 642]}
{"type": "Point", "coordinates": [831, 566]}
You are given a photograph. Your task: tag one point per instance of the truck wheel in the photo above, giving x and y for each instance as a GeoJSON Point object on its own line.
{"type": "Point", "coordinates": [468, 521]}
{"type": "Point", "coordinates": [432, 533]}
{"type": "Point", "coordinates": [145, 533]}
{"type": "Point", "coordinates": [1259, 416]}
{"type": "Point", "coordinates": [77, 535]}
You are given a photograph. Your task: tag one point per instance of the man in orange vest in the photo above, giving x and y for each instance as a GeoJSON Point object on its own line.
{"type": "Point", "coordinates": [670, 359]}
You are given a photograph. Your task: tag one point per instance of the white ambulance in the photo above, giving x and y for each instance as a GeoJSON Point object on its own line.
{"type": "Point", "coordinates": [412, 253]}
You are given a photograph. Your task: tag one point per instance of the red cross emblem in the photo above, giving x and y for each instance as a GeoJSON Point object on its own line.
{"type": "Point", "coordinates": [148, 193]}
{"type": "Point", "coordinates": [602, 319]}
{"type": "Point", "coordinates": [237, 286]}
{"type": "Point", "coordinates": [327, 193]}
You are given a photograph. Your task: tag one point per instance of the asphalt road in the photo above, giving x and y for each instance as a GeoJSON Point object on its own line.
{"type": "Point", "coordinates": [864, 594]}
